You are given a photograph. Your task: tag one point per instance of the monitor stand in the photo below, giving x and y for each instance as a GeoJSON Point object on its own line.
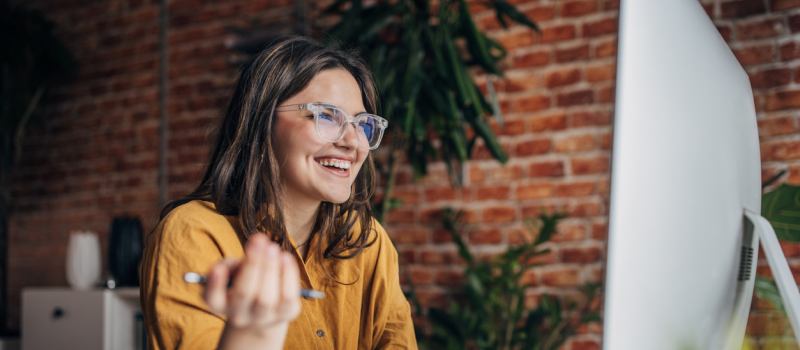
{"type": "Point", "coordinates": [756, 229]}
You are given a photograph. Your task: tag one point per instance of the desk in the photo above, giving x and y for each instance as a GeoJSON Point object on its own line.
{"type": "Point", "coordinates": [62, 318]}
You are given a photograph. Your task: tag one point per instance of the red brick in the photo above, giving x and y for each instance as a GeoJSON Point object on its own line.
{"type": "Point", "coordinates": [578, 8]}
{"type": "Point", "coordinates": [725, 31]}
{"type": "Point", "coordinates": [530, 278]}
{"type": "Point", "coordinates": [606, 49]}
{"type": "Point", "coordinates": [575, 98]}
{"type": "Point", "coordinates": [778, 5]}
{"type": "Point", "coordinates": [561, 277]}
{"type": "Point", "coordinates": [562, 77]}
{"type": "Point", "coordinates": [576, 189]}
{"type": "Point", "coordinates": [599, 231]}
{"type": "Point", "coordinates": [432, 298]}
{"type": "Point", "coordinates": [533, 59]}
{"type": "Point", "coordinates": [606, 94]}
{"type": "Point", "coordinates": [575, 143]}
{"type": "Point", "coordinates": [488, 23]}
{"type": "Point", "coordinates": [475, 174]}
{"type": "Point", "coordinates": [790, 249]}
{"type": "Point", "coordinates": [557, 33]}
{"type": "Point", "coordinates": [606, 141]}
{"type": "Point", "coordinates": [481, 152]}
{"type": "Point", "coordinates": [440, 194]}
{"type": "Point", "coordinates": [580, 119]}
{"type": "Point", "coordinates": [794, 23]}
{"type": "Point", "coordinates": [601, 27]}
{"type": "Point", "coordinates": [507, 172]}
{"type": "Point", "coordinates": [601, 73]}
{"type": "Point", "coordinates": [584, 345]}
{"type": "Point", "coordinates": [776, 126]}
{"type": "Point", "coordinates": [540, 13]}
{"type": "Point", "coordinates": [533, 147]}
{"type": "Point", "coordinates": [610, 5]}
{"type": "Point", "coordinates": [790, 51]}
{"type": "Point", "coordinates": [770, 78]}
{"type": "Point", "coordinates": [780, 150]}
{"type": "Point", "coordinates": [595, 165]}
{"type": "Point", "coordinates": [450, 278]}
{"type": "Point", "coordinates": [537, 190]}
{"type": "Point", "coordinates": [498, 214]}
{"type": "Point", "coordinates": [782, 100]}
{"type": "Point", "coordinates": [546, 169]}
{"type": "Point", "coordinates": [573, 53]}
{"type": "Point", "coordinates": [521, 82]}
{"type": "Point", "coordinates": [741, 9]}
{"type": "Point", "coordinates": [756, 54]}
{"type": "Point", "coordinates": [420, 276]}
{"type": "Point", "coordinates": [488, 236]}
{"type": "Point", "coordinates": [581, 255]}
{"type": "Point", "coordinates": [764, 324]}
{"type": "Point", "coordinates": [550, 122]}
{"type": "Point", "coordinates": [400, 216]}
{"type": "Point", "coordinates": [533, 103]}
{"type": "Point", "coordinates": [515, 40]}
{"type": "Point", "coordinates": [765, 28]}
{"type": "Point", "coordinates": [410, 236]}
{"type": "Point", "coordinates": [493, 192]}
{"type": "Point", "coordinates": [431, 216]}
{"type": "Point", "coordinates": [587, 209]}
{"type": "Point", "coordinates": [408, 196]}
{"type": "Point", "coordinates": [441, 236]}
{"type": "Point", "coordinates": [431, 257]}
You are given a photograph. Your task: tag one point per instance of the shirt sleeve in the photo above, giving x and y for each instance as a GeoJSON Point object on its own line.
{"type": "Point", "coordinates": [398, 330]}
{"type": "Point", "coordinates": [176, 316]}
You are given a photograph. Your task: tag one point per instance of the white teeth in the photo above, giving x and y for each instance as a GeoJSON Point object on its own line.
{"type": "Point", "coordinates": [341, 164]}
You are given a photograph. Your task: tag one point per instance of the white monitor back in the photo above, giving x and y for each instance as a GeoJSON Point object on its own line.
{"type": "Point", "coordinates": [685, 165]}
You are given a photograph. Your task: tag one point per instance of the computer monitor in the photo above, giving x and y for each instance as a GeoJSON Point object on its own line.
{"type": "Point", "coordinates": [686, 186]}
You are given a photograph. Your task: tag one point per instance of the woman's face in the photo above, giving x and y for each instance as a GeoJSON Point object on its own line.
{"type": "Point", "coordinates": [301, 152]}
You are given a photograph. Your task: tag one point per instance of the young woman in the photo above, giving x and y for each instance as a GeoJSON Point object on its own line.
{"type": "Point", "coordinates": [292, 160]}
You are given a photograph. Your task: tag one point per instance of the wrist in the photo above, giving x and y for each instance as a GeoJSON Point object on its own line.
{"type": "Point", "coordinates": [266, 338]}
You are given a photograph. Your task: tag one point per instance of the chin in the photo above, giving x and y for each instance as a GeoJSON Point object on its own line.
{"type": "Point", "coordinates": [337, 198]}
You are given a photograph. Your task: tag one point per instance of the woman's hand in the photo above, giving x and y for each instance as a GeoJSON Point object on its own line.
{"type": "Point", "coordinates": [263, 297]}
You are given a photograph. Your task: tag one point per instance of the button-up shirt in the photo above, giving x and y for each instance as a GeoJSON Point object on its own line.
{"type": "Point", "coordinates": [366, 309]}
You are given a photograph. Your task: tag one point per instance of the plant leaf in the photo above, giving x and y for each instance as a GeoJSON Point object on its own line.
{"type": "Point", "coordinates": [782, 208]}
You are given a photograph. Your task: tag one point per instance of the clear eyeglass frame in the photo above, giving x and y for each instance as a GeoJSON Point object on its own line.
{"type": "Point", "coordinates": [340, 115]}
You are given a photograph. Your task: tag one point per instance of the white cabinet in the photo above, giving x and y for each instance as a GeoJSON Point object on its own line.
{"type": "Point", "coordinates": [62, 318]}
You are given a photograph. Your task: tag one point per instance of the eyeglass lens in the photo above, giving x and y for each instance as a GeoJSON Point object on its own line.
{"type": "Point", "coordinates": [330, 121]}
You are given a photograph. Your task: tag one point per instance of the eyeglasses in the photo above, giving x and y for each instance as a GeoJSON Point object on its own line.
{"type": "Point", "coordinates": [331, 121]}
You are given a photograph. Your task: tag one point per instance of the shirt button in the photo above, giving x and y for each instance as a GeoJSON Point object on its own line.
{"type": "Point", "coordinates": [320, 333]}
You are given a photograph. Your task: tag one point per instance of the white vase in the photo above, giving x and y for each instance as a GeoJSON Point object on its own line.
{"type": "Point", "coordinates": [83, 260]}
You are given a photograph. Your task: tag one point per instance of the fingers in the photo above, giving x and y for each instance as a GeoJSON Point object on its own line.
{"type": "Point", "coordinates": [265, 288]}
{"type": "Point", "coordinates": [216, 291]}
{"type": "Point", "coordinates": [290, 287]}
{"type": "Point", "coordinates": [269, 294]}
{"type": "Point", "coordinates": [247, 282]}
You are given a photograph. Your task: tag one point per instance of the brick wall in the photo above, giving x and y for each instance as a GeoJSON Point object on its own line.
{"type": "Point", "coordinates": [557, 100]}
{"type": "Point", "coordinates": [94, 155]}
{"type": "Point", "coordinates": [763, 35]}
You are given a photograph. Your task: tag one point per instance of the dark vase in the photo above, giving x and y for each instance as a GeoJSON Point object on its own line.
{"type": "Point", "coordinates": [125, 251]}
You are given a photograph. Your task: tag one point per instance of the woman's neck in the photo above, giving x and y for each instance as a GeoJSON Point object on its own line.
{"type": "Point", "coordinates": [299, 218]}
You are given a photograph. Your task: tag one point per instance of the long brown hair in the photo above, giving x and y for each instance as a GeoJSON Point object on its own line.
{"type": "Point", "coordinates": [243, 175]}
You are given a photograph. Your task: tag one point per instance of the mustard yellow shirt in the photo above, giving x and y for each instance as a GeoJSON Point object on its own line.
{"type": "Point", "coordinates": [371, 313]}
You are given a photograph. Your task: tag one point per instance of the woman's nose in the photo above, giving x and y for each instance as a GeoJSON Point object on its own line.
{"type": "Point", "coordinates": [350, 138]}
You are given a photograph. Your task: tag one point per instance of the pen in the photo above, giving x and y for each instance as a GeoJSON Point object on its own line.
{"type": "Point", "coordinates": [193, 277]}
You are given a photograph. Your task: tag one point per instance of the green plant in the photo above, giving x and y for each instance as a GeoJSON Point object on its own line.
{"type": "Point", "coordinates": [781, 207]}
{"type": "Point", "coordinates": [421, 52]}
{"type": "Point", "coordinates": [32, 59]}
{"type": "Point", "coordinates": [493, 313]}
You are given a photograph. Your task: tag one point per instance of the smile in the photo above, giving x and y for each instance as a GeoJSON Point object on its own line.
{"type": "Point", "coordinates": [336, 163]}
